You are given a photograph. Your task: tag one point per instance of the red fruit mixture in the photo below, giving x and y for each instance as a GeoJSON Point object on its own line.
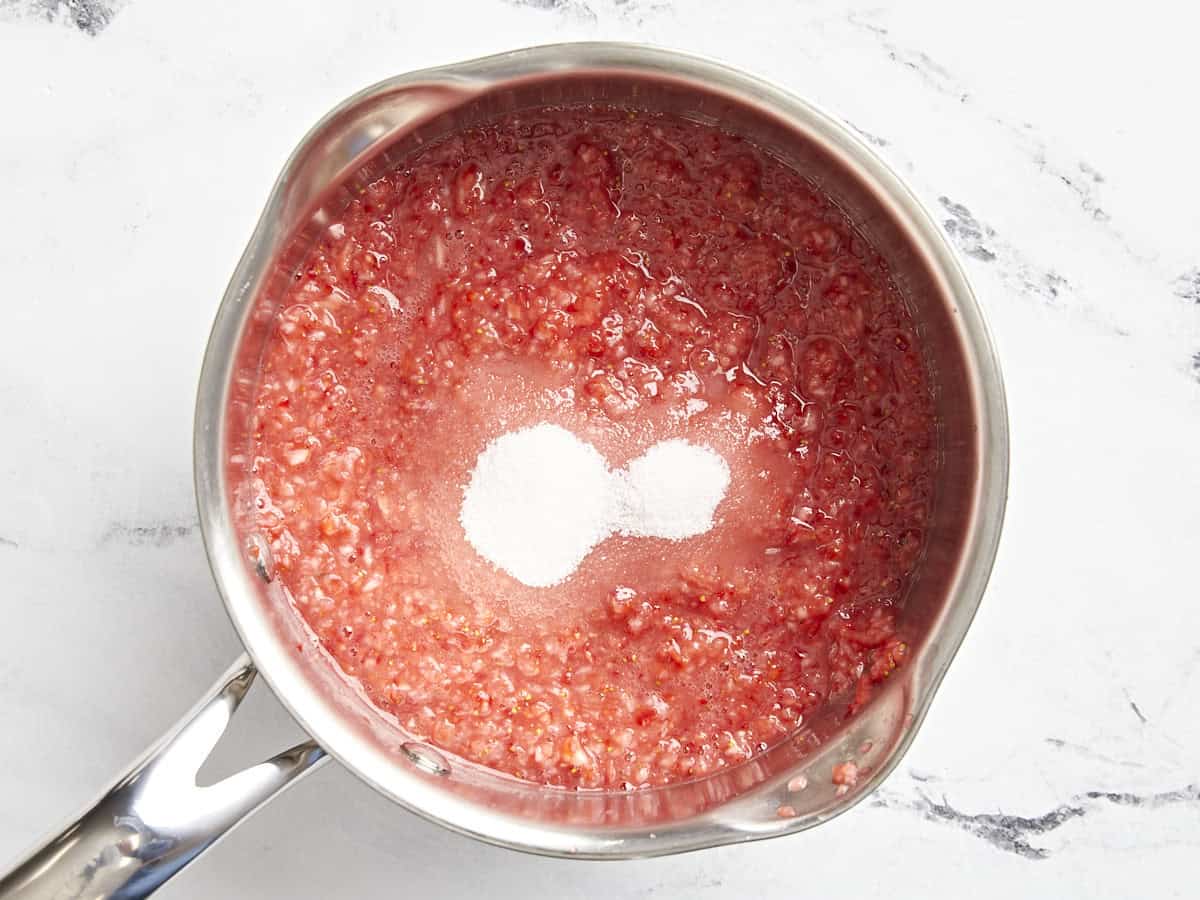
{"type": "Point", "coordinates": [632, 277]}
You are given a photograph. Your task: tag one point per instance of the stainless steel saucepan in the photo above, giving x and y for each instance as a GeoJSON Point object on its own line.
{"type": "Point", "coordinates": [155, 819]}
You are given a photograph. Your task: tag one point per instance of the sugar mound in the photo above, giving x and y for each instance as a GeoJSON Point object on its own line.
{"type": "Point", "coordinates": [540, 499]}
{"type": "Point", "coordinates": [673, 490]}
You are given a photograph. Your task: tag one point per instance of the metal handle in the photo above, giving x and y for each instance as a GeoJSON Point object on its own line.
{"type": "Point", "coordinates": [155, 819]}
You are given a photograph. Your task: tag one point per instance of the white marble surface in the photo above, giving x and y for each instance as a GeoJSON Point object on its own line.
{"type": "Point", "coordinates": [1057, 142]}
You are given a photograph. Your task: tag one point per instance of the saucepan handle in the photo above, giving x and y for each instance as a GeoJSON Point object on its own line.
{"type": "Point", "coordinates": [156, 819]}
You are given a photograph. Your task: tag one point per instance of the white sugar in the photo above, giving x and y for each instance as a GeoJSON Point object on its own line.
{"type": "Point", "coordinates": [674, 489]}
{"type": "Point", "coordinates": [540, 499]}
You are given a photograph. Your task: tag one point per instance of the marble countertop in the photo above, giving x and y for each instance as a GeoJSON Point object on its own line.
{"type": "Point", "coordinates": [1056, 145]}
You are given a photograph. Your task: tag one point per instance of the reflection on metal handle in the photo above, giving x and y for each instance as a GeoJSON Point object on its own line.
{"type": "Point", "coordinates": [156, 819]}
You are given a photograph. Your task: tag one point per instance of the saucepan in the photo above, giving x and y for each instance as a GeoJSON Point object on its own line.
{"type": "Point", "coordinates": [155, 818]}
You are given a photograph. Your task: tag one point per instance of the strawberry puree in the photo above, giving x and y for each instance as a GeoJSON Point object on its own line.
{"type": "Point", "coordinates": [632, 278]}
